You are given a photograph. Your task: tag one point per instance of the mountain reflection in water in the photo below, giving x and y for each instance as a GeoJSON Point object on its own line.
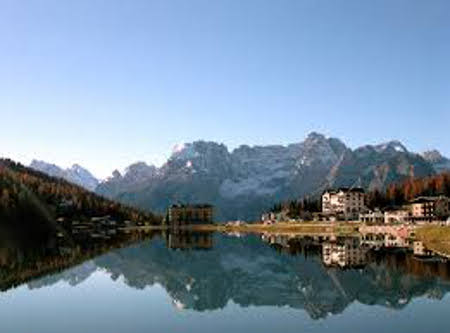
{"type": "Point", "coordinates": [204, 271]}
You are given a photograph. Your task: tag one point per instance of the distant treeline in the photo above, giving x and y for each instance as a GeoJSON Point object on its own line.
{"type": "Point", "coordinates": [396, 194]}
{"type": "Point", "coordinates": [32, 199]}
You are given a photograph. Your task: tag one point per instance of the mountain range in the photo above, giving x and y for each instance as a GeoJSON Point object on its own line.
{"type": "Point", "coordinates": [31, 202]}
{"type": "Point", "coordinates": [247, 180]}
{"type": "Point", "coordinates": [75, 174]}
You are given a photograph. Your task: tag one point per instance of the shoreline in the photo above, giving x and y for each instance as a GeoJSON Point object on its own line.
{"type": "Point", "coordinates": [282, 228]}
{"type": "Point", "coordinates": [278, 228]}
{"type": "Point", "coordinates": [434, 237]}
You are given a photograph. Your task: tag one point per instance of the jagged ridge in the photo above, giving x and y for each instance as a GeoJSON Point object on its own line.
{"type": "Point", "coordinates": [247, 180]}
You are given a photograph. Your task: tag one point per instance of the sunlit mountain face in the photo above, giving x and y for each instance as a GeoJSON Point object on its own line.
{"type": "Point", "coordinates": [208, 274]}
{"type": "Point", "coordinates": [244, 182]}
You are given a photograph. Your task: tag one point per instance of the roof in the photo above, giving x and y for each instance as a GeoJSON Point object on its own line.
{"type": "Point", "coordinates": [191, 206]}
{"type": "Point", "coordinates": [345, 189]}
{"type": "Point", "coordinates": [427, 199]}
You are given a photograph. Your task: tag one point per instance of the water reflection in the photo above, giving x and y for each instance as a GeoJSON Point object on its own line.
{"type": "Point", "coordinates": [21, 261]}
{"type": "Point", "coordinates": [321, 275]}
{"type": "Point", "coordinates": [183, 240]}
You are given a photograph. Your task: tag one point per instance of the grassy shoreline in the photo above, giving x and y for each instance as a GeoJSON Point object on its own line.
{"type": "Point", "coordinates": [343, 228]}
{"type": "Point", "coordinates": [435, 238]}
{"type": "Point", "coordinates": [281, 228]}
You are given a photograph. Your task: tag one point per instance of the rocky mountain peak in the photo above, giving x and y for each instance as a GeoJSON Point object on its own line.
{"type": "Point", "coordinates": [139, 167]}
{"type": "Point", "coordinates": [140, 172]}
{"type": "Point", "coordinates": [198, 156]}
{"type": "Point", "coordinates": [391, 146]}
{"type": "Point", "coordinates": [116, 174]}
{"type": "Point", "coordinates": [48, 168]}
{"type": "Point", "coordinates": [317, 149]}
{"type": "Point", "coordinates": [315, 136]}
{"type": "Point", "coordinates": [77, 167]}
{"type": "Point", "coordinates": [433, 156]}
{"type": "Point", "coordinates": [440, 163]}
{"type": "Point", "coordinates": [192, 150]}
{"type": "Point", "coordinates": [75, 174]}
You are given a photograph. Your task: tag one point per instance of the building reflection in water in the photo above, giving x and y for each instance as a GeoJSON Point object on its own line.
{"type": "Point", "coordinates": [317, 273]}
{"type": "Point", "coordinates": [186, 240]}
{"type": "Point", "coordinates": [22, 262]}
{"type": "Point", "coordinates": [344, 252]}
{"type": "Point", "coordinates": [352, 251]}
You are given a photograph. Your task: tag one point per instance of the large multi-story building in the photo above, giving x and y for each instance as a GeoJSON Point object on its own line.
{"type": "Point", "coordinates": [179, 215]}
{"type": "Point", "coordinates": [430, 208]}
{"type": "Point", "coordinates": [344, 202]}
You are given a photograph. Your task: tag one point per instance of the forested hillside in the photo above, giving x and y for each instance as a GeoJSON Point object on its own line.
{"type": "Point", "coordinates": [402, 192]}
{"type": "Point", "coordinates": [31, 201]}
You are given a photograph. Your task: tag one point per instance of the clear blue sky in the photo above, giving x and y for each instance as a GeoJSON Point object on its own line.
{"type": "Point", "coordinates": [105, 83]}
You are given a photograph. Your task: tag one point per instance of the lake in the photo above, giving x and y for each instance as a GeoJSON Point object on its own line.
{"type": "Point", "coordinates": [203, 282]}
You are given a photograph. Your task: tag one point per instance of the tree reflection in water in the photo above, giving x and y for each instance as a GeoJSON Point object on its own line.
{"type": "Point", "coordinates": [205, 271]}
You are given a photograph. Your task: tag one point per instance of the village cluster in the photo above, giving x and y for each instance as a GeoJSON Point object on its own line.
{"type": "Point", "coordinates": [348, 204]}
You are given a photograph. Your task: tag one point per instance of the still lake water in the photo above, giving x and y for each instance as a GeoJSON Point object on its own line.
{"type": "Point", "coordinates": [217, 283]}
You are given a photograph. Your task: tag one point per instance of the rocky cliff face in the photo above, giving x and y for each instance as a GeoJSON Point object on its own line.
{"type": "Point", "coordinates": [135, 176]}
{"type": "Point", "coordinates": [75, 174]}
{"type": "Point", "coordinates": [439, 162]}
{"type": "Point", "coordinates": [377, 166]}
{"type": "Point", "coordinates": [248, 180]}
